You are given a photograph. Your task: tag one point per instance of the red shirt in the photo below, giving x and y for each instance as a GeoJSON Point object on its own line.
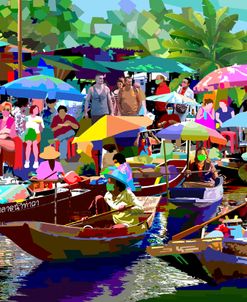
{"type": "Point", "coordinates": [161, 89]}
{"type": "Point", "coordinates": [169, 117]}
{"type": "Point", "coordinates": [57, 120]}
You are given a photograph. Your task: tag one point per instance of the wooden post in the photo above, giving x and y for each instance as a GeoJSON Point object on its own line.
{"type": "Point", "coordinates": [188, 154]}
{"type": "Point", "coordinates": [166, 167]}
{"type": "Point", "coordinates": [19, 38]}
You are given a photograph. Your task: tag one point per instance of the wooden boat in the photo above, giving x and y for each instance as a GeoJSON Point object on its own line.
{"type": "Point", "coordinates": [152, 181]}
{"type": "Point", "coordinates": [192, 206]}
{"type": "Point", "coordinates": [52, 242]}
{"type": "Point", "coordinates": [216, 257]}
{"type": "Point", "coordinates": [71, 200]}
{"type": "Point", "coordinates": [229, 167]}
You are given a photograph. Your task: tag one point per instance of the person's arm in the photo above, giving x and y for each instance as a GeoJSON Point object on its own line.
{"type": "Point", "coordinates": [87, 100]}
{"type": "Point", "coordinates": [232, 113]}
{"type": "Point", "coordinates": [217, 117]}
{"type": "Point", "coordinates": [213, 170]}
{"type": "Point", "coordinates": [72, 122]}
{"type": "Point", "coordinates": [135, 201]}
{"type": "Point", "coordinates": [109, 101]}
{"type": "Point", "coordinates": [212, 114]}
{"type": "Point", "coordinates": [54, 125]}
{"type": "Point", "coordinates": [120, 101]}
{"type": "Point", "coordinates": [41, 126]}
{"type": "Point", "coordinates": [136, 143]}
{"type": "Point", "coordinates": [110, 202]}
{"type": "Point", "coordinates": [199, 114]}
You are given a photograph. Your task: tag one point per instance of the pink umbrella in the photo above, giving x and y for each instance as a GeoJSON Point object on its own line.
{"type": "Point", "coordinates": [227, 77]}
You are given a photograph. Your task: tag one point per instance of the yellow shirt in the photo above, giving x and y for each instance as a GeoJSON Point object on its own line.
{"type": "Point", "coordinates": [127, 198]}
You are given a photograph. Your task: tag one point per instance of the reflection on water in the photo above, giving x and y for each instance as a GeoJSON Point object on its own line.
{"type": "Point", "coordinates": [125, 279]}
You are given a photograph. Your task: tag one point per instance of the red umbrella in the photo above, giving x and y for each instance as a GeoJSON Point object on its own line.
{"type": "Point", "coordinates": [227, 77]}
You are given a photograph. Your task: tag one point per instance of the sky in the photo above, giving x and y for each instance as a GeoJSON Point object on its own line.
{"type": "Point", "coordinates": [99, 8]}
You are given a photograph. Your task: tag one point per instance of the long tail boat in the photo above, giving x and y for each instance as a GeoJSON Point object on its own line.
{"type": "Point", "coordinates": [52, 242]}
{"type": "Point", "coordinates": [216, 257]}
{"type": "Point", "coordinates": [74, 200]}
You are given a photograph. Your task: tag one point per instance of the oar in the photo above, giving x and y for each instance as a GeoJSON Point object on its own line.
{"type": "Point", "coordinates": [96, 217]}
{"type": "Point", "coordinates": [195, 228]}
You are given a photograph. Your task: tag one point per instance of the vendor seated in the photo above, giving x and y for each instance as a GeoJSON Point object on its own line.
{"type": "Point", "coordinates": [118, 197]}
{"type": "Point", "coordinates": [206, 171]}
{"type": "Point", "coordinates": [168, 119]}
{"type": "Point", "coordinates": [50, 168]}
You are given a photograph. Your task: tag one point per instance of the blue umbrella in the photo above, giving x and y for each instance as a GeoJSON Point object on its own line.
{"type": "Point", "coordinates": [239, 120]}
{"type": "Point", "coordinates": [41, 87]}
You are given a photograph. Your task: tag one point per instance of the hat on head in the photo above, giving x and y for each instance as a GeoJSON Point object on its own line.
{"type": "Point", "coordinates": [115, 173]}
{"type": "Point", "coordinates": [49, 153]}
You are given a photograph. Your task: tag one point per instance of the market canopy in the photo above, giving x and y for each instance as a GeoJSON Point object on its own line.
{"type": "Point", "coordinates": [67, 62]}
{"type": "Point", "coordinates": [41, 87]}
{"type": "Point", "coordinates": [148, 64]}
{"type": "Point", "coordinates": [172, 98]}
{"type": "Point", "coordinates": [109, 126]}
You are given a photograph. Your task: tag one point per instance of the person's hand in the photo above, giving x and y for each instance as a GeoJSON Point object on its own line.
{"type": "Point", "coordinates": [67, 123]}
{"type": "Point", "coordinates": [84, 218]}
{"type": "Point", "coordinates": [187, 173]}
{"type": "Point", "coordinates": [121, 208]}
{"type": "Point", "coordinates": [172, 122]}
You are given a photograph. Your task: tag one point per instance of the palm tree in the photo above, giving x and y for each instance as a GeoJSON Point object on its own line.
{"type": "Point", "coordinates": [206, 41]}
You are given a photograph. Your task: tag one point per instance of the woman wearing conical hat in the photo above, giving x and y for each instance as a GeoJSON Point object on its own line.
{"type": "Point", "coordinates": [49, 168]}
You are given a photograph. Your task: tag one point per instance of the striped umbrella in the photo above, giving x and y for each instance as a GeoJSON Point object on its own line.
{"type": "Point", "coordinates": [222, 78]}
{"type": "Point", "coordinates": [191, 131]}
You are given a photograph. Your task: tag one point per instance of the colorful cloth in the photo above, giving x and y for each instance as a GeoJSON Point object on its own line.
{"type": "Point", "coordinates": [9, 124]}
{"type": "Point", "coordinates": [45, 170]}
{"type": "Point", "coordinates": [224, 116]}
{"type": "Point", "coordinates": [126, 198]}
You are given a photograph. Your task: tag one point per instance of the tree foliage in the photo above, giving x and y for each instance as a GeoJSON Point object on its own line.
{"type": "Point", "coordinates": [47, 24]}
{"type": "Point", "coordinates": [206, 41]}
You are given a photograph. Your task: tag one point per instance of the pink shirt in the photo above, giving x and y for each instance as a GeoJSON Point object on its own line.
{"type": "Point", "coordinates": [9, 124]}
{"type": "Point", "coordinates": [44, 170]}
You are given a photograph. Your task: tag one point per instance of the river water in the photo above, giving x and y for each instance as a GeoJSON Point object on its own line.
{"type": "Point", "coordinates": [130, 278]}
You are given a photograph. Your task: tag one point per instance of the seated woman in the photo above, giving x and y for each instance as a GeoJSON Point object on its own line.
{"type": "Point", "coordinates": [206, 172]}
{"type": "Point", "coordinates": [50, 168]}
{"type": "Point", "coordinates": [9, 141]}
{"type": "Point", "coordinates": [118, 197]}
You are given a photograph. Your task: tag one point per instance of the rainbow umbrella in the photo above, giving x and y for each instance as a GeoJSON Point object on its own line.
{"type": "Point", "coordinates": [109, 126]}
{"type": "Point", "coordinates": [191, 131]}
{"type": "Point", "coordinates": [222, 78]}
{"type": "Point", "coordinates": [172, 98]}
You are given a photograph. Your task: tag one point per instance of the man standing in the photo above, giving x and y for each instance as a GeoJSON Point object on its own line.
{"type": "Point", "coordinates": [184, 90]}
{"type": "Point", "coordinates": [100, 97]}
{"type": "Point", "coordinates": [63, 125]}
{"type": "Point", "coordinates": [130, 99]}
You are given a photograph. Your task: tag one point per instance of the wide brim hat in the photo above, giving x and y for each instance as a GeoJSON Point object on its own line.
{"type": "Point", "coordinates": [49, 153]}
{"type": "Point", "coordinates": [114, 172]}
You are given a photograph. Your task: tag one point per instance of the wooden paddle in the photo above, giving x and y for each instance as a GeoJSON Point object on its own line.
{"type": "Point", "coordinates": [96, 217]}
{"type": "Point", "coordinates": [195, 228]}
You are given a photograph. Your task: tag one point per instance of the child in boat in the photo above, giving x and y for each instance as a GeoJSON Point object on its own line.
{"type": "Point", "coordinates": [206, 171]}
{"type": "Point", "coordinates": [118, 197]}
{"type": "Point", "coordinates": [120, 162]}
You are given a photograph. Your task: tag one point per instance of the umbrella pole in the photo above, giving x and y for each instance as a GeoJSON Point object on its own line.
{"type": "Point", "coordinates": [188, 143]}
{"type": "Point", "coordinates": [166, 168]}
{"type": "Point", "coordinates": [19, 38]}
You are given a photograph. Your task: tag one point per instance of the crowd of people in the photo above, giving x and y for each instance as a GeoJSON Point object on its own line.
{"type": "Point", "coordinates": [26, 126]}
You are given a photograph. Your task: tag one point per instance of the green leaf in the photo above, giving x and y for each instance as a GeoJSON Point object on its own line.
{"type": "Point", "coordinates": [237, 95]}
{"type": "Point", "coordinates": [221, 14]}
{"type": "Point", "coordinates": [210, 17]}
{"type": "Point", "coordinates": [227, 24]}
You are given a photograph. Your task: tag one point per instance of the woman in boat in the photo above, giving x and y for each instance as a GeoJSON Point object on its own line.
{"type": "Point", "coordinates": [118, 197]}
{"type": "Point", "coordinates": [206, 170]}
{"type": "Point", "coordinates": [50, 168]}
